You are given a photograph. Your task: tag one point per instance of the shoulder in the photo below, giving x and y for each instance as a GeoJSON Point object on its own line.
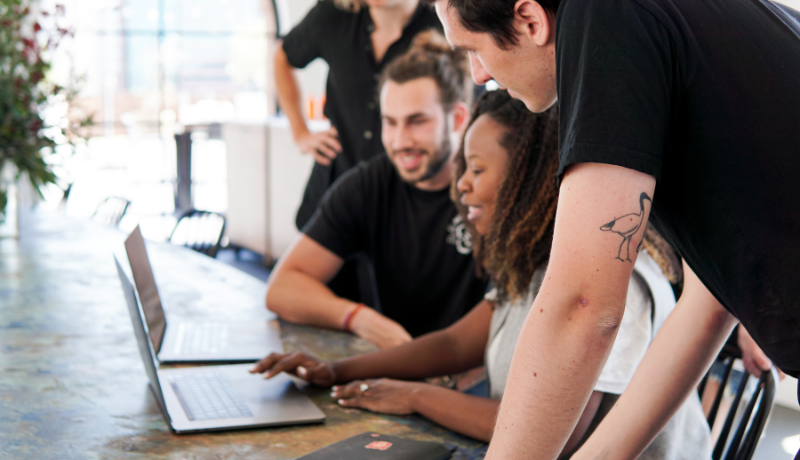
{"type": "Point", "coordinates": [378, 170]}
{"type": "Point", "coordinates": [374, 173]}
{"type": "Point", "coordinates": [328, 9]}
{"type": "Point", "coordinates": [326, 16]}
{"type": "Point", "coordinates": [573, 14]}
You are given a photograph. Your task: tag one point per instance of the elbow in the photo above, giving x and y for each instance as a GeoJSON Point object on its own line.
{"type": "Point", "coordinates": [275, 301]}
{"type": "Point", "coordinates": [485, 429]}
{"type": "Point", "coordinates": [486, 432]}
{"type": "Point", "coordinates": [602, 318]}
{"type": "Point", "coordinates": [607, 323]}
{"type": "Point", "coordinates": [269, 300]}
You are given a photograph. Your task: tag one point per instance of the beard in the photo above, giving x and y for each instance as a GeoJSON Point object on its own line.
{"type": "Point", "coordinates": [438, 159]}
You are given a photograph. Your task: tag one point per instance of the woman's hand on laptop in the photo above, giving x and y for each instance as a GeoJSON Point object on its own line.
{"type": "Point", "coordinates": [318, 372]}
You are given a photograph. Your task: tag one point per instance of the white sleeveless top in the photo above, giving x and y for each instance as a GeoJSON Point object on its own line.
{"type": "Point", "coordinates": [650, 300]}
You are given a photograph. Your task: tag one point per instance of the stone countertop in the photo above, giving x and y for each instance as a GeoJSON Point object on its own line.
{"type": "Point", "coordinates": [72, 384]}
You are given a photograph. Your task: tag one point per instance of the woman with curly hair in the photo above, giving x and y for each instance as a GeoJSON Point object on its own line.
{"type": "Point", "coordinates": [507, 190]}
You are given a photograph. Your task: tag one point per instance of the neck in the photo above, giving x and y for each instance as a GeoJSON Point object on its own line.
{"type": "Point", "coordinates": [440, 181]}
{"type": "Point", "coordinates": [393, 17]}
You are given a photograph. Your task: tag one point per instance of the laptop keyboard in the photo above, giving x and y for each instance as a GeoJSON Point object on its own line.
{"type": "Point", "coordinates": [208, 396]}
{"type": "Point", "coordinates": [201, 338]}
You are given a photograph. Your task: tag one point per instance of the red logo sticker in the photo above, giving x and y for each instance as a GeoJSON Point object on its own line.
{"type": "Point", "coordinates": [378, 445]}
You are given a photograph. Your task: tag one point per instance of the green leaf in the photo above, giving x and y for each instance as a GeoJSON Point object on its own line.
{"type": "Point", "coordinates": [3, 203]}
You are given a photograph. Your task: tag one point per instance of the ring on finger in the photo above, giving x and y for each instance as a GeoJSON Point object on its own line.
{"type": "Point", "coordinates": [363, 388]}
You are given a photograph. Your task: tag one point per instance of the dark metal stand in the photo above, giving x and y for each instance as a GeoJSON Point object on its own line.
{"type": "Point", "coordinates": [183, 185]}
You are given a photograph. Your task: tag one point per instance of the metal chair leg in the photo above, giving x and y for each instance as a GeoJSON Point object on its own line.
{"type": "Point", "coordinates": [797, 457]}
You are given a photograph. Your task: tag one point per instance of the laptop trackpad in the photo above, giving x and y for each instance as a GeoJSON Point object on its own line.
{"type": "Point", "coordinates": [258, 402]}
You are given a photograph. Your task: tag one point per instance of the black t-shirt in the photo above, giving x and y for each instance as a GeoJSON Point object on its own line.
{"type": "Point", "coordinates": [705, 97]}
{"type": "Point", "coordinates": [343, 40]}
{"type": "Point", "coordinates": [420, 248]}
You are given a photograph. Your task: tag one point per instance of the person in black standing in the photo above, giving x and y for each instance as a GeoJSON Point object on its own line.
{"type": "Point", "coordinates": [357, 38]}
{"type": "Point", "coordinates": [677, 111]}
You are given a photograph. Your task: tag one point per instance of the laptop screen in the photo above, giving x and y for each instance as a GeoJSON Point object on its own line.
{"type": "Point", "coordinates": [146, 285]}
{"type": "Point", "coordinates": [148, 356]}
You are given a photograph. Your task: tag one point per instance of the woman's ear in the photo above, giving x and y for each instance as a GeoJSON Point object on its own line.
{"type": "Point", "coordinates": [460, 117]}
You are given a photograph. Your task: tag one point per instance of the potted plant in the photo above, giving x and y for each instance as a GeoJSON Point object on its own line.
{"type": "Point", "coordinates": [28, 38]}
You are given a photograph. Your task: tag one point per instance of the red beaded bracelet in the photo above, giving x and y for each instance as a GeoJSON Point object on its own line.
{"type": "Point", "coordinates": [349, 317]}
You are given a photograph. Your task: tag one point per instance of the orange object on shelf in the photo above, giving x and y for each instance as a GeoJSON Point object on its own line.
{"type": "Point", "coordinates": [310, 107]}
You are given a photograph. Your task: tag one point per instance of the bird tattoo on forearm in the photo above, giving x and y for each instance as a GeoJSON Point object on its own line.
{"type": "Point", "coordinates": [627, 226]}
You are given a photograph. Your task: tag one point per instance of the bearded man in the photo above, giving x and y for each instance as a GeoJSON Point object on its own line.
{"type": "Point", "coordinates": [396, 209]}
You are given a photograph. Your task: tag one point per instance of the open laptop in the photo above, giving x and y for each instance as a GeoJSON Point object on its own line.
{"type": "Point", "coordinates": [196, 341]}
{"type": "Point", "coordinates": [214, 398]}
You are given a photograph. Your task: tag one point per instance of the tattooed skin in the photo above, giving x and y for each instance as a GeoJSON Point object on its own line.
{"type": "Point", "coordinates": [627, 226]}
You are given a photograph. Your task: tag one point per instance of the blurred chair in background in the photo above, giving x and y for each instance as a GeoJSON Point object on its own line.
{"type": "Point", "coordinates": [110, 211]}
{"type": "Point", "coordinates": [199, 230]}
{"type": "Point", "coordinates": [728, 389]}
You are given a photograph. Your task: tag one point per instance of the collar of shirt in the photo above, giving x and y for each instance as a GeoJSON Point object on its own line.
{"type": "Point", "coordinates": [369, 27]}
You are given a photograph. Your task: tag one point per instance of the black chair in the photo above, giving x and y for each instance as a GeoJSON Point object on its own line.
{"type": "Point", "coordinates": [199, 230]}
{"type": "Point", "coordinates": [748, 420]}
{"type": "Point", "coordinates": [110, 211]}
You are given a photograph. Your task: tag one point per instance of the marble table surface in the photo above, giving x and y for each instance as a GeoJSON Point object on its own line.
{"type": "Point", "coordinates": [72, 384]}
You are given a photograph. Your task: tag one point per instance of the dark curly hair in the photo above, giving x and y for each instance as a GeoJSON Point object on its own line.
{"type": "Point", "coordinates": [522, 229]}
{"type": "Point", "coordinates": [521, 233]}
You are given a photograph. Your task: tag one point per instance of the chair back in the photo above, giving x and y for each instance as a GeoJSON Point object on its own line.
{"type": "Point", "coordinates": [110, 211]}
{"type": "Point", "coordinates": [746, 407]}
{"type": "Point", "coordinates": [199, 230]}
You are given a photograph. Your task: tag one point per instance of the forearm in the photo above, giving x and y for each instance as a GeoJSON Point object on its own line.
{"type": "Point", "coordinates": [681, 352]}
{"type": "Point", "coordinates": [539, 411]}
{"type": "Point", "coordinates": [568, 334]}
{"type": "Point", "coordinates": [434, 354]}
{"type": "Point", "coordinates": [469, 415]}
{"type": "Point", "coordinates": [288, 91]}
{"type": "Point", "coordinates": [299, 298]}
{"type": "Point", "coordinates": [474, 416]}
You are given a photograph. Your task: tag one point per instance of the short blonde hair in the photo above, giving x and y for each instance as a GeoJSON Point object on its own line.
{"type": "Point", "coordinates": [349, 5]}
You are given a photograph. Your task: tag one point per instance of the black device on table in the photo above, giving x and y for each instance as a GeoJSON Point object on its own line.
{"type": "Point", "coordinates": [375, 446]}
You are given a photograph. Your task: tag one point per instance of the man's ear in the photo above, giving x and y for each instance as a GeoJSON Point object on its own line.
{"type": "Point", "coordinates": [460, 117]}
{"type": "Point", "coordinates": [533, 21]}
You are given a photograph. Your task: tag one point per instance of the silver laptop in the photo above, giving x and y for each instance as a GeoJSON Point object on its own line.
{"type": "Point", "coordinates": [214, 398]}
{"type": "Point", "coordinates": [196, 341]}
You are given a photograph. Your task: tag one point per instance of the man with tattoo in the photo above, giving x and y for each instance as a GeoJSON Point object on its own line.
{"type": "Point", "coordinates": [698, 98]}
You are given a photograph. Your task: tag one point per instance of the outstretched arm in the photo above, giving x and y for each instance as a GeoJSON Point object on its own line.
{"type": "Point", "coordinates": [454, 349]}
{"type": "Point", "coordinates": [681, 352]}
{"type": "Point", "coordinates": [298, 293]}
{"type": "Point", "coordinates": [574, 320]}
